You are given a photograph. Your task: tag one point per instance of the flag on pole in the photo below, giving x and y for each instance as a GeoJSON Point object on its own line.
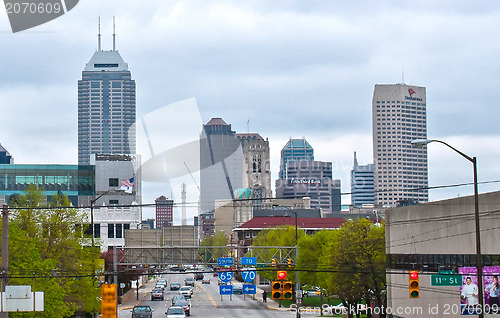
{"type": "Point", "coordinates": [128, 185]}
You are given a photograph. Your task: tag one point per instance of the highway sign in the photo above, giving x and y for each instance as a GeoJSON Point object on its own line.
{"type": "Point", "coordinates": [249, 261]}
{"type": "Point", "coordinates": [248, 276]}
{"type": "Point", "coordinates": [249, 289]}
{"type": "Point", "coordinates": [226, 277]}
{"type": "Point", "coordinates": [226, 289]}
{"type": "Point", "coordinates": [446, 280]}
{"type": "Point", "coordinates": [223, 261]}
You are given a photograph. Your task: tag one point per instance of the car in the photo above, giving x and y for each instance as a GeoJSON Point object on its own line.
{"type": "Point", "coordinates": [178, 269]}
{"type": "Point", "coordinates": [186, 291]}
{"type": "Point", "coordinates": [219, 282]}
{"type": "Point", "coordinates": [175, 312]}
{"type": "Point", "coordinates": [157, 294]}
{"type": "Point", "coordinates": [186, 305]}
{"type": "Point", "coordinates": [142, 312]}
{"type": "Point", "coordinates": [189, 281]}
{"type": "Point", "coordinates": [159, 286]}
{"type": "Point", "coordinates": [216, 274]}
{"type": "Point", "coordinates": [175, 286]}
{"type": "Point", "coordinates": [205, 280]}
{"type": "Point", "coordinates": [238, 289]}
{"type": "Point", "coordinates": [198, 276]}
{"type": "Point", "coordinates": [177, 298]}
{"type": "Point", "coordinates": [162, 281]}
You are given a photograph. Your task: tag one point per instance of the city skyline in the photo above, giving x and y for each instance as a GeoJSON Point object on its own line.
{"type": "Point", "coordinates": [282, 70]}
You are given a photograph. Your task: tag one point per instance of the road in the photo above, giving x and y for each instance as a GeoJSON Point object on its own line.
{"type": "Point", "coordinates": [206, 301]}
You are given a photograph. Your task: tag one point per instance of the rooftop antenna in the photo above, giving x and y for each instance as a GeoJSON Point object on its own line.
{"type": "Point", "coordinates": [99, 34]}
{"type": "Point", "coordinates": [402, 73]}
{"type": "Point", "coordinates": [114, 35]}
{"type": "Point", "coordinates": [248, 126]}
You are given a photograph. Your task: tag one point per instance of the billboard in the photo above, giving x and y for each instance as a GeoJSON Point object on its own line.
{"type": "Point", "coordinates": [469, 301]}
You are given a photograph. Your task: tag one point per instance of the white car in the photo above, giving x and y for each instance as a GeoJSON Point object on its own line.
{"type": "Point", "coordinates": [186, 291]}
{"type": "Point", "coordinates": [175, 312]}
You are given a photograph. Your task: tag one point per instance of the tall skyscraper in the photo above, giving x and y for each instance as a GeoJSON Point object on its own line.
{"type": "Point", "coordinates": [301, 176]}
{"type": "Point", "coordinates": [362, 184]}
{"type": "Point", "coordinates": [5, 156]}
{"type": "Point", "coordinates": [106, 106]}
{"type": "Point", "coordinates": [221, 163]}
{"type": "Point", "coordinates": [295, 150]}
{"type": "Point", "coordinates": [399, 116]}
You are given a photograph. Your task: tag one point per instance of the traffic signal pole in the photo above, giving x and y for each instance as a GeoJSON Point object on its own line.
{"type": "Point", "coordinates": [5, 251]}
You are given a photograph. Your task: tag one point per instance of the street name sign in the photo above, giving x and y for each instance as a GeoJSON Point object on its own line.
{"type": "Point", "coordinates": [226, 289]}
{"type": "Point", "coordinates": [249, 261]}
{"type": "Point", "coordinates": [223, 261]}
{"type": "Point", "coordinates": [446, 280]}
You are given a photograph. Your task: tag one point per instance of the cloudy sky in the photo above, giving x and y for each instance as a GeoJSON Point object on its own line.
{"type": "Point", "coordinates": [280, 68]}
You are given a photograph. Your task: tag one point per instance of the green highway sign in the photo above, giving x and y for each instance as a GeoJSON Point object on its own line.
{"type": "Point", "coordinates": [446, 272]}
{"type": "Point", "coordinates": [261, 265]}
{"type": "Point", "coordinates": [446, 280]}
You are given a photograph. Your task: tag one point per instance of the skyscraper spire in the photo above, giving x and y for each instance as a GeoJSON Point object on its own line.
{"type": "Point", "coordinates": [114, 35]}
{"type": "Point", "coordinates": [99, 34]}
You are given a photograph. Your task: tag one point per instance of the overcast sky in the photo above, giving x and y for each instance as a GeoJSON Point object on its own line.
{"type": "Point", "coordinates": [280, 68]}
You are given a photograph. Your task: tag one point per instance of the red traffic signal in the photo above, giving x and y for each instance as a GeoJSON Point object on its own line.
{"type": "Point", "coordinates": [281, 274]}
{"type": "Point", "coordinates": [414, 285]}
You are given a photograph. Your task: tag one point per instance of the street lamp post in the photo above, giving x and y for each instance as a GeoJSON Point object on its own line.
{"type": "Point", "coordinates": [419, 143]}
{"type": "Point", "coordinates": [297, 284]}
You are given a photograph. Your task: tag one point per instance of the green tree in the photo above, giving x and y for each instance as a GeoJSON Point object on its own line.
{"type": "Point", "coordinates": [218, 246]}
{"type": "Point", "coordinates": [46, 251]}
{"type": "Point", "coordinates": [282, 236]}
{"type": "Point", "coordinates": [356, 259]}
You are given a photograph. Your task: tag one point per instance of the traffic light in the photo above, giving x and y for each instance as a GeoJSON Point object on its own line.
{"type": "Point", "coordinates": [287, 290]}
{"type": "Point", "coordinates": [289, 263]}
{"type": "Point", "coordinates": [274, 262]}
{"type": "Point", "coordinates": [281, 275]}
{"type": "Point", "coordinates": [414, 284]}
{"type": "Point", "coordinates": [108, 300]}
{"type": "Point", "coordinates": [277, 289]}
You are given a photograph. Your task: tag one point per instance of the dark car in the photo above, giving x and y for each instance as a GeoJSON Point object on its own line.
{"type": "Point", "coordinates": [198, 276]}
{"type": "Point", "coordinates": [175, 286]}
{"type": "Point", "coordinates": [157, 293]}
{"type": "Point", "coordinates": [142, 312]}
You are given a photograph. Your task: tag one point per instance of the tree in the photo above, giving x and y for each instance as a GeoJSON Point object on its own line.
{"type": "Point", "coordinates": [219, 244]}
{"type": "Point", "coordinates": [282, 236]}
{"type": "Point", "coordinates": [44, 242]}
{"type": "Point", "coordinates": [357, 262]}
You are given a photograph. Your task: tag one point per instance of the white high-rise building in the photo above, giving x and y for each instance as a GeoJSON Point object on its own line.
{"type": "Point", "coordinates": [399, 116]}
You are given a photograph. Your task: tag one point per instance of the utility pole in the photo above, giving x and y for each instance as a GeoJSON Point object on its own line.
{"type": "Point", "coordinates": [5, 252]}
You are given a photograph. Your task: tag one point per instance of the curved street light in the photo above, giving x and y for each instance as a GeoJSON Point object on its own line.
{"type": "Point", "coordinates": [419, 143]}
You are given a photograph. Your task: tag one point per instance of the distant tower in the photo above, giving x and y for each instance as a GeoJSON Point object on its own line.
{"type": "Point", "coordinates": [106, 106]}
{"type": "Point", "coordinates": [5, 156]}
{"type": "Point", "coordinates": [183, 197]}
{"type": "Point", "coordinates": [399, 116]}
{"type": "Point", "coordinates": [362, 184]}
{"type": "Point", "coordinates": [295, 150]}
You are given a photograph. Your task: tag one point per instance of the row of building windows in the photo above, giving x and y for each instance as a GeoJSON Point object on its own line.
{"type": "Point", "coordinates": [436, 262]}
